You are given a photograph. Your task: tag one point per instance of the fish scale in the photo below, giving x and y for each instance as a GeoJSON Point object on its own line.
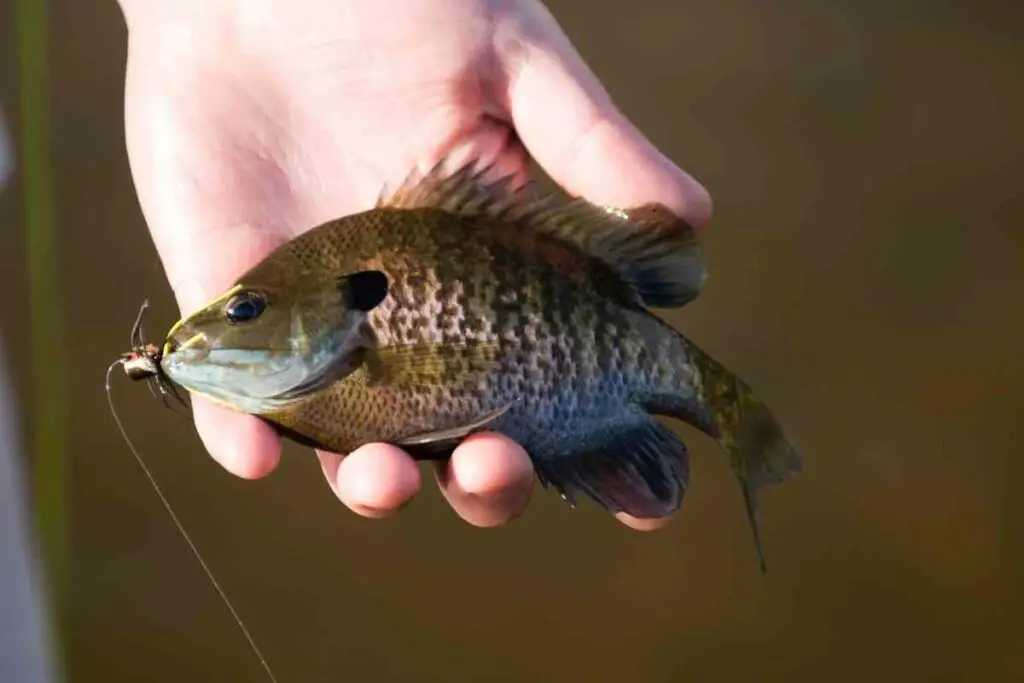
{"type": "Point", "coordinates": [562, 327]}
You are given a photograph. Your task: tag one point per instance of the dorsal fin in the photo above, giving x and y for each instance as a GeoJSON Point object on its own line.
{"type": "Point", "coordinates": [650, 249]}
{"type": "Point", "coordinates": [462, 191]}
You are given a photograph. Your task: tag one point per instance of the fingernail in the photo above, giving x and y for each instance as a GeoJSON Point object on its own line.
{"type": "Point", "coordinates": [640, 524]}
{"type": "Point", "coordinates": [378, 512]}
{"type": "Point", "coordinates": [370, 512]}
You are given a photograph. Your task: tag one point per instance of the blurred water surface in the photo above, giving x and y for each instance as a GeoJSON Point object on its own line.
{"type": "Point", "coordinates": [867, 274]}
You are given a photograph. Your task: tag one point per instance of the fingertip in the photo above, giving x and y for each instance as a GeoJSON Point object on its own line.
{"type": "Point", "coordinates": [571, 126]}
{"type": "Point", "coordinates": [487, 463]}
{"type": "Point", "coordinates": [488, 480]}
{"type": "Point", "coordinates": [617, 150]}
{"type": "Point", "coordinates": [375, 480]}
{"type": "Point", "coordinates": [243, 444]}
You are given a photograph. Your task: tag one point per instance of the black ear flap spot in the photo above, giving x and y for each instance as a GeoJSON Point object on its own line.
{"type": "Point", "coordinates": [364, 290]}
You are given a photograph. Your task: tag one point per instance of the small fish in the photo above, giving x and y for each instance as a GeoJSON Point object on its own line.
{"type": "Point", "coordinates": [457, 305]}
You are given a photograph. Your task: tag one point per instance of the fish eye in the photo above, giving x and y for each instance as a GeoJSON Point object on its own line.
{"type": "Point", "coordinates": [244, 307]}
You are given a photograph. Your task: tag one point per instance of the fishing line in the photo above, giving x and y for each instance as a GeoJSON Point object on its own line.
{"type": "Point", "coordinates": [181, 527]}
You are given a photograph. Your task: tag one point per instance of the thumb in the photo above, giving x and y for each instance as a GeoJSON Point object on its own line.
{"type": "Point", "coordinates": [569, 124]}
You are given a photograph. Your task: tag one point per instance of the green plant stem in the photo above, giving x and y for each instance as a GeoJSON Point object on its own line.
{"type": "Point", "coordinates": [48, 374]}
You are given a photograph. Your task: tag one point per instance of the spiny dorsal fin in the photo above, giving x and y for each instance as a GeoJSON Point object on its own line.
{"type": "Point", "coordinates": [651, 249]}
{"type": "Point", "coordinates": [463, 191]}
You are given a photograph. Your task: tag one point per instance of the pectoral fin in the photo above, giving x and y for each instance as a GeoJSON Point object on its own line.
{"type": "Point", "coordinates": [439, 444]}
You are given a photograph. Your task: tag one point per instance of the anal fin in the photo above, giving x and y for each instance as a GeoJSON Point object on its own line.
{"type": "Point", "coordinates": [635, 465]}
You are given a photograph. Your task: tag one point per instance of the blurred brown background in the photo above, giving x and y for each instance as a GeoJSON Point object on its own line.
{"type": "Point", "coordinates": [867, 277]}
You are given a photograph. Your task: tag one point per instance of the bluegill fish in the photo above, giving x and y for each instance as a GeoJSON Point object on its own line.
{"type": "Point", "coordinates": [457, 305]}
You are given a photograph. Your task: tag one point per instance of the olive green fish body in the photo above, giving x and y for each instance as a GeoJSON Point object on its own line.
{"type": "Point", "coordinates": [455, 306]}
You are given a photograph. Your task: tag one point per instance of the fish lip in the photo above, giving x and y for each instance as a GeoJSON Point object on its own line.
{"type": "Point", "coordinates": [183, 356]}
{"type": "Point", "coordinates": [174, 347]}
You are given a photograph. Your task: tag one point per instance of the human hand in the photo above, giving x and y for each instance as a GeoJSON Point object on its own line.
{"type": "Point", "coordinates": [251, 122]}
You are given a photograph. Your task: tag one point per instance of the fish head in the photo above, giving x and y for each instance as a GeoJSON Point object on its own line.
{"type": "Point", "coordinates": [261, 345]}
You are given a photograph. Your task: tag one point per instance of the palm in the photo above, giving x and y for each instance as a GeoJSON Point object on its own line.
{"type": "Point", "coordinates": [268, 124]}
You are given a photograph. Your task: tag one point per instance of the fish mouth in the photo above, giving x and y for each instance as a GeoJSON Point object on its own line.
{"type": "Point", "coordinates": [176, 353]}
{"type": "Point", "coordinates": [197, 354]}
{"type": "Point", "coordinates": [250, 380]}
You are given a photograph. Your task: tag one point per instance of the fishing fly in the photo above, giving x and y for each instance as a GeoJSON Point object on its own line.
{"type": "Point", "coordinates": [142, 363]}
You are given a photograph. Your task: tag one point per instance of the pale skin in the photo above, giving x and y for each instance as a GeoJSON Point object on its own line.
{"type": "Point", "coordinates": [251, 121]}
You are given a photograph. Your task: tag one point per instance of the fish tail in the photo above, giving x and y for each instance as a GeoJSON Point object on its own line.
{"type": "Point", "coordinates": [760, 453]}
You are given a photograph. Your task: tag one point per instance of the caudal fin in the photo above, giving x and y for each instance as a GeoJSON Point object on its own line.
{"type": "Point", "coordinates": [760, 453]}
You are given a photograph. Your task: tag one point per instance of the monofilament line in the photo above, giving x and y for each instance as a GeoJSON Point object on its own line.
{"type": "Point", "coordinates": [181, 527]}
